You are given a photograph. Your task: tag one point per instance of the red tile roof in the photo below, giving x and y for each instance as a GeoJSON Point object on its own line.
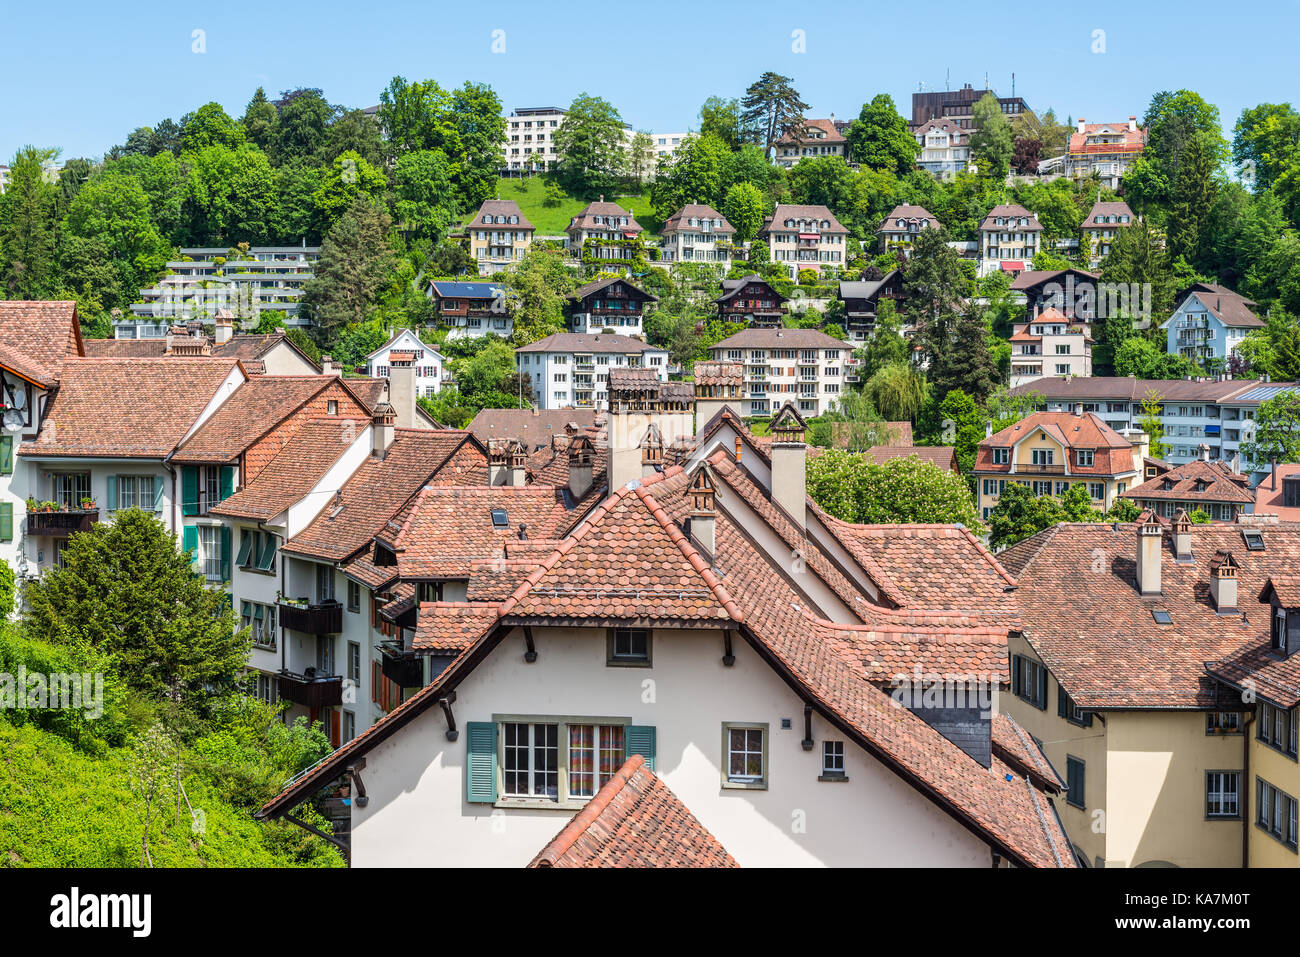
{"type": "Point", "coordinates": [36, 338]}
{"type": "Point", "coordinates": [681, 219]}
{"type": "Point", "coordinates": [634, 820]}
{"type": "Point", "coordinates": [256, 407]}
{"type": "Point", "coordinates": [942, 456]}
{"type": "Point", "coordinates": [1200, 482]}
{"type": "Point", "coordinates": [1112, 453]}
{"type": "Point", "coordinates": [1270, 494]}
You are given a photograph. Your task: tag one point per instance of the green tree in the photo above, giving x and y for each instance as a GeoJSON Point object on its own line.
{"type": "Point", "coordinates": [745, 209]}
{"type": "Point", "coordinates": [125, 589]}
{"type": "Point", "coordinates": [1277, 430]}
{"type": "Point", "coordinates": [901, 490]}
{"type": "Point", "coordinates": [538, 286]}
{"type": "Point", "coordinates": [27, 234]}
{"type": "Point", "coordinates": [962, 422]}
{"type": "Point", "coordinates": [305, 116]}
{"type": "Point", "coordinates": [1192, 201]}
{"type": "Point", "coordinates": [721, 118]}
{"type": "Point", "coordinates": [210, 125]}
{"type": "Point", "coordinates": [959, 355]}
{"type": "Point", "coordinates": [422, 193]}
{"type": "Point", "coordinates": [898, 391]}
{"type": "Point", "coordinates": [1152, 424]}
{"type": "Point", "coordinates": [885, 345]}
{"type": "Point", "coordinates": [934, 281]}
{"type": "Point", "coordinates": [260, 121]}
{"type": "Point", "coordinates": [640, 157]}
{"type": "Point", "coordinates": [354, 267]}
{"type": "Point", "coordinates": [991, 140]}
{"type": "Point", "coordinates": [590, 145]}
{"type": "Point", "coordinates": [771, 108]}
{"type": "Point", "coordinates": [695, 174]}
{"type": "Point", "coordinates": [1020, 513]}
{"type": "Point", "coordinates": [881, 139]}
{"type": "Point", "coordinates": [348, 179]}
{"type": "Point", "coordinates": [231, 196]}
{"type": "Point", "coordinates": [114, 213]}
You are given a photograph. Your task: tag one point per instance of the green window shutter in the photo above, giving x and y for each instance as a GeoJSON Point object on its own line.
{"type": "Point", "coordinates": [157, 493]}
{"type": "Point", "coordinates": [6, 454]}
{"type": "Point", "coordinates": [190, 542]}
{"type": "Point", "coordinates": [641, 739]}
{"type": "Point", "coordinates": [1015, 675]}
{"type": "Point", "coordinates": [481, 762]}
{"type": "Point", "coordinates": [189, 490]}
{"type": "Point", "coordinates": [1062, 708]}
{"type": "Point", "coordinates": [111, 504]}
{"type": "Point", "coordinates": [6, 521]}
{"type": "Point", "coordinates": [245, 548]}
{"type": "Point", "coordinates": [225, 552]}
{"type": "Point", "coordinates": [266, 558]}
{"type": "Point", "coordinates": [227, 481]}
{"type": "Point", "coordinates": [1040, 699]}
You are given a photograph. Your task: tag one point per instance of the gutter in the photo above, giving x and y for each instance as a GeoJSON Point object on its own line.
{"type": "Point", "coordinates": [1243, 796]}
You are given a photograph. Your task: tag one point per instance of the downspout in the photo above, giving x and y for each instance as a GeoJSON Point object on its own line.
{"type": "Point", "coordinates": [1246, 790]}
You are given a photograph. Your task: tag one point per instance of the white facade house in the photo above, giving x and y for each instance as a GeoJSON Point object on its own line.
{"type": "Point", "coordinates": [1210, 323]}
{"type": "Point", "coordinates": [1009, 238]}
{"type": "Point", "coordinates": [530, 139]}
{"type": "Point", "coordinates": [572, 369]}
{"type": "Point", "coordinates": [801, 366]}
{"type": "Point", "coordinates": [805, 237]}
{"type": "Point", "coordinates": [1050, 344]}
{"type": "Point", "coordinates": [945, 147]}
{"type": "Point", "coordinates": [429, 362]}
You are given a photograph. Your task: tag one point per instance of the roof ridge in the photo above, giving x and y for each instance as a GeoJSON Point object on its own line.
{"type": "Point", "coordinates": [693, 556]}
{"type": "Point", "coordinates": [583, 820]}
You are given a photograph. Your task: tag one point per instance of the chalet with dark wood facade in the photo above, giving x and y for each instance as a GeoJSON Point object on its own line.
{"type": "Point", "coordinates": [608, 304]}
{"type": "Point", "coordinates": [751, 300]}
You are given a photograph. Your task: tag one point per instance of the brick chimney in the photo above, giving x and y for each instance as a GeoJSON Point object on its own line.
{"type": "Point", "coordinates": [401, 389]}
{"type": "Point", "coordinates": [789, 460]}
{"type": "Point", "coordinates": [223, 326]}
{"type": "Point", "coordinates": [581, 458]}
{"type": "Point", "coordinates": [1223, 583]}
{"type": "Point", "coordinates": [1149, 546]}
{"type": "Point", "coordinates": [1182, 537]}
{"type": "Point", "coordinates": [1082, 124]}
{"type": "Point", "coordinates": [518, 465]}
{"type": "Point", "coordinates": [385, 422]}
{"type": "Point", "coordinates": [329, 367]}
{"type": "Point", "coordinates": [704, 515]}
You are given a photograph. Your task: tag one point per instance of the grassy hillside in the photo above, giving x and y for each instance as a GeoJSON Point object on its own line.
{"type": "Point", "coordinates": [60, 807]}
{"type": "Point", "coordinates": [530, 194]}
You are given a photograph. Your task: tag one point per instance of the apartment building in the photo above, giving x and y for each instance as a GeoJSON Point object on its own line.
{"type": "Point", "coordinates": [1009, 238]}
{"type": "Point", "coordinates": [1072, 292]}
{"type": "Point", "coordinates": [1209, 323]}
{"type": "Point", "coordinates": [470, 309]}
{"type": "Point", "coordinates": [572, 369]}
{"type": "Point", "coordinates": [666, 144]}
{"type": "Point", "coordinates": [1218, 489]}
{"type": "Point", "coordinates": [697, 233]}
{"type": "Point", "coordinates": [1048, 452]}
{"type": "Point", "coordinates": [959, 105]}
{"type": "Point", "coordinates": [945, 147]}
{"type": "Point", "coordinates": [1050, 344]}
{"type": "Point", "coordinates": [805, 237]}
{"type": "Point", "coordinates": [270, 354]}
{"type": "Point", "coordinates": [751, 300]}
{"type": "Point", "coordinates": [529, 146]}
{"type": "Point", "coordinates": [816, 138]}
{"type": "Point", "coordinates": [608, 304]}
{"type": "Point", "coordinates": [902, 226]}
{"type": "Point", "coordinates": [499, 235]}
{"type": "Point", "coordinates": [206, 281]}
{"type": "Point", "coordinates": [1106, 149]}
{"type": "Point", "coordinates": [1102, 225]}
{"type": "Point", "coordinates": [603, 235]}
{"type": "Point", "coordinates": [804, 367]}
{"type": "Point", "coordinates": [405, 346]}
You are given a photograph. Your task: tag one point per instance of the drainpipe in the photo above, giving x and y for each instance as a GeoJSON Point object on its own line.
{"type": "Point", "coordinates": [1245, 791]}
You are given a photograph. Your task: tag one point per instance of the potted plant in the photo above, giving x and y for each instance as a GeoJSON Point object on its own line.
{"type": "Point", "coordinates": [88, 504]}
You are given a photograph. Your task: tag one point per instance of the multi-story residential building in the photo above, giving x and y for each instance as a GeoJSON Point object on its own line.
{"type": "Point", "coordinates": [270, 354]}
{"type": "Point", "coordinates": [959, 105]}
{"type": "Point", "coordinates": [751, 300]}
{"type": "Point", "coordinates": [862, 299]}
{"type": "Point", "coordinates": [1050, 451]}
{"type": "Point", "coordinates": [404, 345]}
{"type": "Point", "coordinates": [902, 225]}
{"type": "Point", "coordinates": [945, 147]}
{"type": "Point", "coordinates": [816, 138]}
{"type": "Point", "coordinates": [207, 281]}
{"type": "Point", "coordinates": [530, 139]}
{"type": "Point", "coordinates": [572, 369]}
{"type": "Point", "coordinates": [1209, 323]}
{"type": "Point", "coordinates": [499, 235]}
{"type": "Point", "coordinates": [805, 237]}
{"type": "Point", "coordinates": [604, 235]}
{"type": "Point", "coordinates": [1214, 488]}
{"type": "Point", "coordinates": [804, 367]}
{"type": "Point", "coordinates": [608, 304]}
{"type": "Point", "coordinates": [1149, 667]}
{"type": "Point", "coordinates": [666, 144]}
{"type": "Point", "coordinates": [1217, 411]}
{"type": "Point", "coordinates": [1107, 149]}
{"type": "Point", "coordinates": [1009, 238]}
{"type": "Point", "coordinates": [1050, 344]}
{"type": "Point", "coordinates": [1102, 225]}
{"type": "Point", "coordinates": [1072, 292]}
{"type": "Point", "coordinates": [779, 701]}
{"type": "Point", "coordinates": [697, 233]}
{"type": "Point", "coordinates": [470, 309]}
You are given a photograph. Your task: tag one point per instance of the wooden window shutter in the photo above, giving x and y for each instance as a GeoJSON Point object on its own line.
{"type": "Point", "coordinates": [190, 542]}
{"type": "Point", "coordinates": [227, 481]}
{"type": "Point", "coordinates": [6, 521]}
{"type": "Point", "coordinates": [1040, 697]}
{"type": "Point", "coordinates": [641, 739]}
{"type": "Point", "coordinates": [111, 504]}
{"type": "Point", "coordinates": [157, 493]}
{"type": "Point", "coordinates": [189, 490]}
{"type": "Point", "coordinates": [335, 723]}
{"type": "Point", "coordinates": [374, 682]}
{"type": "Point", "coordinates": [481, 762]}
{"type": "Point", "coordinates": [225, 552]}
{"type": "Point", "coordinates": [6, 454]}
{"type": "Point", "coordinates": [1062, 703]}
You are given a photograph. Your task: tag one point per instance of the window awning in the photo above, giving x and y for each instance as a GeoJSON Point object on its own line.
{"type": "Point", "coordinates": [1014, 265]}
{"type": "Point", "coordinates": [629, 234]}
{"type": "Point", "coordinates": [809, 236]}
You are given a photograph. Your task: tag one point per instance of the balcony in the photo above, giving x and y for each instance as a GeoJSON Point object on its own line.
{"type": "Point", "coordinates": [325, 618]}
{"type": "Point", "coordinates": [403, 668]}
{"type": "Point", "coordinates": [311, 690]}
{"type": "Point", "coordinates": [61, 524]}
{"type": "Point", "coordinates": [1032, 469]}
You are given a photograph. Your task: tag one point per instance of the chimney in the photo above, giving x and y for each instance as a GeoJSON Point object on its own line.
{"type": "Point", "coordinates": [789, 489]}
{"type": "Point", "coordinates": [988, 429]}
{"type": "Point", "coordinates": [1132, 124]}
{"type": "Point", "coordinates": [1141, 443]}
{"type": "Point", "coordinates": [518, 466]}
{"type": "Point", "coordinates": [580, 466]}
{"type": "Point", "coordinates": [704, 515]}
{"type": "Point", "coordinates": [401, 388]}
{"type": "Point", "coordinates": [385, 422]}
{"type": "Point", "coordinates": [740, 447]}
{"type": "Point", "coordinates": [1150, 539]}
{"type": "Point", "coordinates": [624, 449]}
{"type": "Point", "coordinates": [1078, 409]}
{"type": "Point", "coordinates": [1272, 477]}
{"type": "Point", "coordinates": [1203, 451]}
{"type": "Point", "coordinates": [1182, 537]}
{"type": "Point", "coordinates": [224, 327]}
{"type": "Point", "coordinates": [329, 367]}
{"type": "Point", "coordinates": [717, 385]}
{"type": "Point", "coordinates": [652, 452]}
{"type": "Point", "coordinates": [1080, 127]}
{"type": "Point", "coordinates": [1223, 583]}
{"type": "Point", "coordinates": [1236, 463]}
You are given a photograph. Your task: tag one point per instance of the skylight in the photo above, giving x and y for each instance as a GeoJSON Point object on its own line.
{"type": "Point", "coordinates": [499, 518]}
{"type": "Point", "coordinates": [1254, 541]}
{"type": "Point", "coordinates": [1161, 616]}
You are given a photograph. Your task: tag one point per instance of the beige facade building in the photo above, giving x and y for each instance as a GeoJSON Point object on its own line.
{"type": "Point", "coordinates": [1051, 344]}
{"type": "Point", "coordinates": [805, 237]}
{"type": "Point", "coordinates": [816, 139]}
{"type": "Point", "coordinates": [698, 233]}
{"type": "Point", "coordinates": [499, 235]}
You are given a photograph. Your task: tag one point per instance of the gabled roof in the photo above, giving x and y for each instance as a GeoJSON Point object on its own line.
{"type": "Point", "coordinates": [1010, 211]}
{"type": "Point", "coordinates": [1230, 308]}
{"type": "Point", "coordinates": [1096, 215]}
{"type": "Point", "coordinates": [788, 211]}
{"type": "Point", "coordinates": [1196, 482]}
{"type": "Point", "coordinates": [732, 287]}
{"type": "Point", "coordinates": [448, 289]}
{"type": "Point", "coordinates": [1112, 453]}
{"type": "Point", "coordinates": [907, 213]}
{"type": "Point", "coordinates": [1031, 279]}
{"type": "Point", "coordinates": [582, 292]}
{"type": "Point", "coordinates": [501, 207]}
{"type": "Point", "coordinates": [586, 219]}
{"type": "Point", "coordinates": [533, 427]}
{"type": "Point", "coordinates": [246, 347]}
{"type": "Point", "coordinates": [681, 219]}
{"type": "Point", "coordinates": [36, 338]}
{"type": "Point", "coordinates": [941, 456]}
{"type": "Point", "coordinates": [807, 133]}
{"type": "Point", "coordinates": [128, 408]}
{"type": "Point", "coordinates": [634, 820]}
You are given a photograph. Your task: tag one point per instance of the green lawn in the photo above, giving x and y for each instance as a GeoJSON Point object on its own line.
{"type": "Point", "coordinates": [530, 194]}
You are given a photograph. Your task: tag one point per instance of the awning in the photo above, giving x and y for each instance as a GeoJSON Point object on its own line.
{"type": "Point", "coordinates": [629, 234]}
{"type": "Point", "coordinates": [1013, 266]}
{"type": "Point", "coordinates": [809, 236]}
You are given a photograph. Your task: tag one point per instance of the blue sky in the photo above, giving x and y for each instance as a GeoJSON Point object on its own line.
{"type": "Point", "coordinates": [82, 76]}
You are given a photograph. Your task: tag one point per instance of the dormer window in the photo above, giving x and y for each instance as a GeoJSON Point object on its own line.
{"type": "Point", "coordinates": [1254, 541]}
{"type": "Point", "coordinates": [1279, 642]}
{"type": "Point", "coordinates": [1085, 458]}
{"type": "Point", "coordinates": [1001, 456]}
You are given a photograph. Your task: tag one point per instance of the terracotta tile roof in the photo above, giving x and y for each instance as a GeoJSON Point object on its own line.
{"type": "Point", "coordinates": [533, 427]}
{"type": "Point", "coordinates": [380, 487]}
{"type": "Point", "coordinates": [1230, 308]}
{"type": "Point", "coordinates": [1096, 215]}
{"type": "Point", "coordinates": [907, 212]}
{"type": "Point", "coordinates": [607, 342]}
{"type": "Point", "coordinates": [36, 338]}
{"type": "Point", "coordinates": [754, 338]}
{"type": "Point", "coordinates": [501, 207]}
{"type": "Point", "coordinates": [1084, 617]}
{"type": "Point", "coordinates": [719, 373]}
{"type": "Point", "coordinates": [256, 407]}
{"type": "Point", "coordinates": [800, 135]}
{"type": "Point", "coordinates": [247, 347]}
{"type": "Point", "coordinates": [681, 219]}
{"type": "Point", "coordinates": [1196, 482]}
{"type": "Point", "coordinates": [368, 573]}
{"type": "Point", "coordinates": [1129, 389]}
{"type": "Point", "coordinates": [1131, 141]}
{"type": "Point", "coordinates": [451, 627]}
{"type": "Point", "coordinates": [634, 820]}
{"type": "Point", "coordinates": [1011, 211]}
{"type": "Point", "coordinates": [1286, 588]}
{"type": "Point", "coordinates": [300, 465]}
{"type": "Point", "coordinates": [586, 219]}
{"type": "Point", "coordinates": [369, 390]}
{"type": "Point", "coordinates": [1013, 744]}
{"type": "Point", "coordinates": [1270, 494]}
{"type": "Point", "coordinates": [127, 408]}
{"type": "Point", "coordinates": [1112, 453]}
{"type": "Point", "coordinates": [943, 456]}
{"type": "Point", "coordinates": [786, 211]}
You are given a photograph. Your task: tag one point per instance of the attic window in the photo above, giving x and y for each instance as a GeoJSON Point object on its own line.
{"type": "Point", "coordinates": [499, 518]}
{"type": "Point", "coordinates": [1254, 541]}
{"type": "Point", "coordinates": [1161, 616]}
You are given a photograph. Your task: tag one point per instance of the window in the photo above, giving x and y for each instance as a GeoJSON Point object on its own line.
{"type": "Point", "coordinates": [628, 646]}
{"type": "Point", "coordinates": [1161, 616]}
{"type": "Point", "coordinates": [530, 765]}
{"type": "Point", "coordinates": [1221, 793]}
{"type": "Point", "coordinates": [1043, 456]}
{"type": "Point", "coordinates": [266, 688]}
{"type": "Point", "coordinates": [745, 751]}
{"type": "Point", "coordinates": [1001, 456]}
{"type": "Point", "coordinates": [1029, 681]}
{"type": "Point", "coordinates": [325, 655]}
{"type": "Point", "coordinates": [1085, 458]}
{"type": "Point", "coordinates": [260, 621]}
{"type": "Point", "coordinates": [1097, 491]}
{"type": "Point", "coordinates": [133, 491]}
{"type": "Point", "coordinates": [209, 487]}
{"type": "Point", "coordinates": [349, 725]}
{"type": "Point", "coordinates": [832, 760]}
{"type": "Point", "coordinates": [71, 488]}
{"type": "Point", "coordinates": [1223, 722]}
{"type": "Point", "coordinates": [499, 518]}
{"type": "Point", "coordinates": [354, 596]}
{"type": "Point", "coordinates": [595, 753]}
{"type": "Point", "coordinates": [1074, 781]}
{"type": "Point", "coordinates": [210, 552]}
{"type": "Point", "coordinates": [354, 662]}
{"type": "Point", "coordinates": [1276, 812]}
{"type": "Point", "coordinates": [1277, 728]}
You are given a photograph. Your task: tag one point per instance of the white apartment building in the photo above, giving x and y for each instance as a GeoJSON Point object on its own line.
{"type": "Point", "coordinates": [903, 224]}
{"type": "Point", "coordinates": [1209, 324]}
{"type": "Point", "coordinates": [697, 233]}
{"type": "Point", "coordinates": [801, 366]}
{"type": "Point", "coordinates": [805, 237]}
{"type": "Point", "coordinates": [945, 147]}
{"type": "Point", "coordinates": [530, 139]}
{"type": "Point", "coordinates": [572, 369]}
{"type": "Point", "coordinates": [1050, 344]}
{"type": "Point", "coordinates": [429, 362]}
{"type": "Point", "coordinates": [1009, 238]}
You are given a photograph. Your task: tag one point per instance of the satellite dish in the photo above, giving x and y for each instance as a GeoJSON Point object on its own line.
{"type": "Point", "coordinates": [18, 398]}
{"type": "Point", "coordinates": [14, 420]}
